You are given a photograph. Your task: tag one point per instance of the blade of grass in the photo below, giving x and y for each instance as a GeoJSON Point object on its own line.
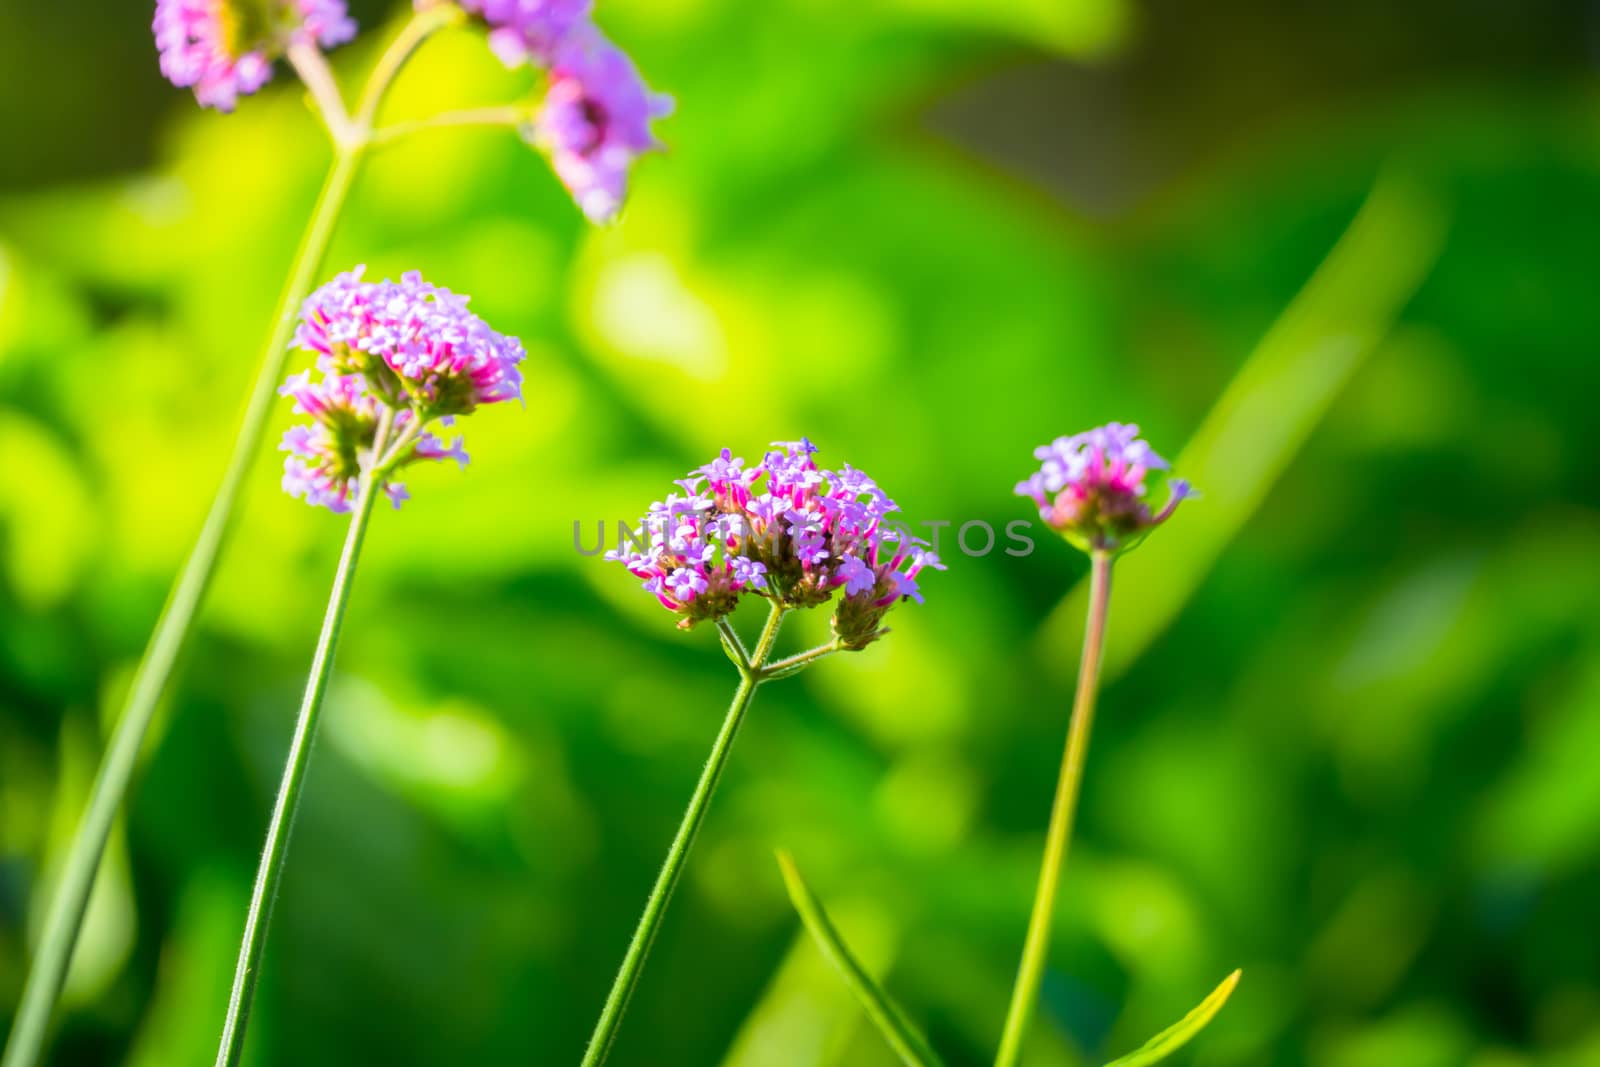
{"type": "Point", "coordinates": [1179, 1033]}
{"type": "Point", "coordinates": [1267, 412]}
{"type": "Point", "coordinates": [902, 1035]}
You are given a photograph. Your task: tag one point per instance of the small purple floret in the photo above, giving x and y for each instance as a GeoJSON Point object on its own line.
{"type": "Point", "coordinates": [1090, 487]}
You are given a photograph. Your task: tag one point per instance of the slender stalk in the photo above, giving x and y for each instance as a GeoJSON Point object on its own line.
{"type": "Point", "coordinates": [270, 871]}
{"type": "Point", "coordinates": [508, 115]}
{"type": "Point", "coordinates": [351, 138]}
{"type": "Point", "coordinates": [732, 645]}
{"type": "Point", "coordinates": [315, 74]}
{"type": "Point", "coordinates": [790, 664]}
{"type": "Point", "coordinates": [1036, 947]}
{"type": "Point", "coordinates": [417, 29]}
{"type": "Point", "coordinates": [655, 908]}
{"type": "Point", "coordinates": [71, 899]}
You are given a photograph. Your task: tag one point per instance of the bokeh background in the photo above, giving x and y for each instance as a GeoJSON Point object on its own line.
{"type": "Point", "coordinates": [1338, 256]}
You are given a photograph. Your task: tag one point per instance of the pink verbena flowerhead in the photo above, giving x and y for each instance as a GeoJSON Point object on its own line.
{"type": "Point", "coordinates": [415, 344]}
{"type": "Point", "coordinates": [224, 49]}
{"type": "Point", "coordinates": [324, 459]}
{"type": "Point", "coordinates": [596, 120]}
{"type": "Point", "coordinates": [1090, 487]}
{"type": "Point", "coordinates": [396, 358]}
{"type": "Point", "coordinates": [784, 530]}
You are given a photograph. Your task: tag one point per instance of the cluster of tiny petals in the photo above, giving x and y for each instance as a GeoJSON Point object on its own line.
{"type": "Point", "coordinates": [323, 461]}
{"type": "Point", "coordinates": [1091, 486]}
{"type": "Point", "coordinates": [782, 529]}
{"type": "Point", "coordinates": [596, 115]}
{"type": "Point", "coordinates": [224, 49]}
{"type": "Point", "coordinates": [405, 349]}
{"type": "Point", "coordinates": [443, 358]}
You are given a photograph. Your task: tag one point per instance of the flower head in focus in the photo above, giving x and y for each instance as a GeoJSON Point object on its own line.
{"type": "Point", "coordinates": [395, 360]}
{"type": "Point", "coordinates": [1090, 487]}
{"type": "Point", "coordinates": [224, 49]}
{"type": "Point", "coordinates": [782, 529]}
{"type": "Point", "coordinates": [415, 344]}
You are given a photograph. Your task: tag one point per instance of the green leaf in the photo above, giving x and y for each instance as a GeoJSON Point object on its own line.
{"type": "Point", "coordinates": [1179, 1034]}
{"type": "Point", "coordinates": [897, 1029]}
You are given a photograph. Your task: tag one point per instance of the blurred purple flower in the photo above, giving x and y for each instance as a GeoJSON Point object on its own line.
{"type": "Point", "coordinates": [224, 49]}
{"type": "Point", "coordinates": [523, 31]}
{"type": "Point", "coordinates": [596, 120]}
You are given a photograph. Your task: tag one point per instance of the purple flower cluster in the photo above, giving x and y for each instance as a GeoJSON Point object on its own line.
{"type": "Point", "coordinates": [1090, 487]}
{"type": "Point", "coordinates": [224, 49]}
{"type": "Point", "coordinates": [596, 116]}
{"type": "Point", "coordinates": [393, 358]}
{"type": "Point", "coordinates": [784, 530]}
{"type": "Point", "coordinates": [415, 344]}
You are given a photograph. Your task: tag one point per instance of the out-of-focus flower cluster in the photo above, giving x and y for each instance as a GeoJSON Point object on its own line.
{"type": "Point", "coordinates": [784, 530]}
{"type": "Point", "coordinates": [224, 49]}
{"type": "Point", "coordinates": [1090, 487]}
{"type": "Point", "coordinates": [392, 356]}
{"type": "Point", "coordinates": [595, 120]}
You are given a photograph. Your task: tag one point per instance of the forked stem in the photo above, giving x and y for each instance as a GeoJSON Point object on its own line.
{"type": "Point", "coordinates": [1036, 947]}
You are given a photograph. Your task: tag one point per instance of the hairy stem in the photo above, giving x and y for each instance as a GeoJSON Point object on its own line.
{"type": "Point", "coordinates": [655, 908]}
{"type": "Point", "coordinates": [71, 898]}
{"type": "Point", "coordinates": [269, 873]}
{"type": "Point", "coordinates": [1036, 947]}
{"type": "Point", "coordinates": [790, 664]}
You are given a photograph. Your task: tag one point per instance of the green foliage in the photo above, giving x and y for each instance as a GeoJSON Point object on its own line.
{"type": "Point", "coordinates": [1181, 1032]}
{"type": "Point", "coordinates": [1350, 758]}
{"type": "Point", "coordinates": [890, 1019]}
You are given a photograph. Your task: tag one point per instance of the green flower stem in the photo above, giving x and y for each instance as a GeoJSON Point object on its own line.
{"type": "Point", "coordinates": [791, 664]}
{"type": "Point", "coordinates": [416, 30]}
{"type": "Point", "coordinates": [65, 918]}
{"type": "Point", "coordinates": [311, 66]}
{"type": "Point", "coordinates": [733, 645]}
{"type": "Point", "coordinates": [655, 908]}
{"type": "Point", "coordinates": [71, 899]}
{"type": "Point", "coordinates": [511, 115]}
{"type": "Point", "coordinates": [270, 871]}
{"type": "Point", "coordinates": [1026, 991]}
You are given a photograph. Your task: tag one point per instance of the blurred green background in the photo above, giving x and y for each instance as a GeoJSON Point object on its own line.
{"type": "Point", "coordinates": [1339, 256]}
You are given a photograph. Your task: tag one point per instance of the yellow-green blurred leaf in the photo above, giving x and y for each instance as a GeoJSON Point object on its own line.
{"type": "Point", "coordinates": [886, 1015]}
{"type": "Point", "coordinates": [1181, 1032]}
